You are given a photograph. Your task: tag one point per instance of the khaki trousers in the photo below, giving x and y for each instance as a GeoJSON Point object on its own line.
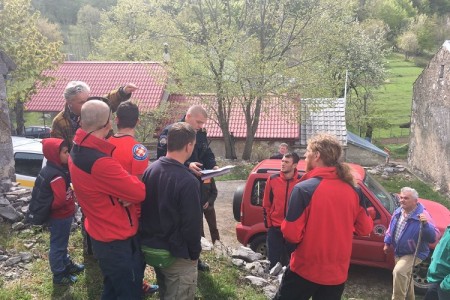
{"type": "Point", "coordinates": [401, 275]}
{"type": "Point", "coordinates": [179, 281]}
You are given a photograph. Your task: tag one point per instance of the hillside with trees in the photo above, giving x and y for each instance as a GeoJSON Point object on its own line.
{"type": "Point", "coordinates": [243, 51]}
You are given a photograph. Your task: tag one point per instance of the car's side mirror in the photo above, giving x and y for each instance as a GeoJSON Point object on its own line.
{"type": "Point", "coordinates": [372, 212]}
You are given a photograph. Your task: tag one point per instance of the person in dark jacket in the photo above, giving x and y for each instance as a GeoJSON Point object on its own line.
{"type": "Point", "coordinates": [209, 196]}
{"type": "Point", "coordinates": [324, 212]}
{"type": "Point", "coordinates": [403, 235]}
{"type": "Point", "coordinates": [171, 215]}
{"type": "Point", "coordinates": [282, 150]}
{"type": "Point", "coordinates": [53, 182]}
{"type": "Point", "coordinates": [276, 195]}
{"type": "Point", "coordinates": [202, 157]}
{"type": "Point", "coordinates": [108, 195]}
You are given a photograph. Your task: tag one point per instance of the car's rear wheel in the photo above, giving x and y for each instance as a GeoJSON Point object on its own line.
{"type": "Point", "coordinates": [258, 244]}
{"type": "Point", "coordinates": [419, 276]}
{"type": "Point", "coordinates": [237, 200]}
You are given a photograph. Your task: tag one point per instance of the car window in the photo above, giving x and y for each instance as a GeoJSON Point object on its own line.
{"type": "Point", "coordinates": [28, 130]}
{"type": "Point", "coordinates": [380, 193]}
{"type": "Point", "coordinates": [258, 192]}
{"type": "Point", "coordinates": [28, 164]}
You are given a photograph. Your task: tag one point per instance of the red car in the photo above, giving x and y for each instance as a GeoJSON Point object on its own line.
{"type": "Point", "coordinates": [367, 251]}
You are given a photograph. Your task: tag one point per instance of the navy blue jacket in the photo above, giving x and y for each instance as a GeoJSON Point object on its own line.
{"type": "Point", "coordinates": [171, 215]}
{"type": "Point", "coordinates": [202, 153]}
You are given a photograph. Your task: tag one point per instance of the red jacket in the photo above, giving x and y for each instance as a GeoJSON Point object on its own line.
{"type": "Point", "coordinates": [63, 204]}
{"type": "Point", "coordinates": [324, 212]}
{"type": "Point", "coordinates": [99, 182]}
{"type": "Point", "coordinates": [276, 196]}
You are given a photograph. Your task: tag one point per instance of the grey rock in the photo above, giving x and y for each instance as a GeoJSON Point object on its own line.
{"type": "Point", "coordinates": [389, 170]}
{"type": "Point", "coordinates": [12, 261]}
{"type": "Point", "coordinates": [24, 209]}
{"type": "Point", "coordinates": [28, 245]}
{"type": "Point", "coordinates": [400, 170]}
{"type": "Point", "coordinates": [11, 197]}
{"type": "Point", "coordinates": [26, 256]}
{"type": "Point", "coordinates": [257, 281]}
{"type": "Point", "coordinates": [385, 176]}
{"type": "Point", "coordinates": [238, 262]}
{"type": "Point", "coordinates": [246, 254]}
{"type": "Point", "coordinates": [18, 226]}
{"type": "Point", "coordinates": [270, 291]}
{"type": "Point", "coordinates": [255, 268]}
{"type": "Point", "coordinates": [372, 171]}
{"type": "Point", "coordinates": [276, 269]}
{"type": "Point", "coordinates": [5, 185]}
{"type": "Point", "coordinates": [4, 201]}
{"type": "Point", "coordinates": [23, 200]}
{"type": "Point", "coordinates": [9, 213]}
{"type": "Point", "coordinates": [3, 257]}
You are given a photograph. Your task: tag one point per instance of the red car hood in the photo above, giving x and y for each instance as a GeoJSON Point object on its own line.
{"type": "Point", "coordinates": [439, 213]}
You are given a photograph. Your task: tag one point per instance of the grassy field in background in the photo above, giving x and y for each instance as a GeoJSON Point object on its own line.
{"type": "Point", "coordinates": [394, 98]}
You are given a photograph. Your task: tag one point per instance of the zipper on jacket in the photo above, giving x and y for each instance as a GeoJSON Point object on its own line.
{"type": "Point", "coordinates": [112, 200]}
{"type": "Point", "coordinates": [286, 198]}
{"type": "Point", "coordinates": [129, 216]}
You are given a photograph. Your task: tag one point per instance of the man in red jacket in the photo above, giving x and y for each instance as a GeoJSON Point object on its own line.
{"type": "Point", "coordinates": [323, 214]}
{"type": "Point", "coordinates": [106, 192]}
{"type": "Point", "coordinates": [276, 196]}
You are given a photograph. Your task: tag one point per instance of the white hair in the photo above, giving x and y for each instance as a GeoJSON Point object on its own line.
{"type": "Point", "coordinates": [413, 192]}
{"type": "Point", "coordinates": [75, 87]}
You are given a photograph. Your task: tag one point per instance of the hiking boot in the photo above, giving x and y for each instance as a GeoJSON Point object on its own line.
{"type": "Point", "coordinates": [73, 268]}
{"type": "Point", "coordinates": [64, 279]}
{"type": "Point", "coordinates": [202, 266]}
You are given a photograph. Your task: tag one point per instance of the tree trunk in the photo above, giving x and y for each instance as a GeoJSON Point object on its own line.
{"type": "Point", "coordinates": [6, 150]}
{"type": "Point", "coordinates": [252, 125]}
{"type": "Point", "coordinates": [20, 121]}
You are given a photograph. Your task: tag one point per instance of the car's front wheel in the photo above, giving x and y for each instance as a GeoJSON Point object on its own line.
{"type": "Point", "coordinates": [419, 276]}
{"type": "Point", "coordinates": [258, 244]}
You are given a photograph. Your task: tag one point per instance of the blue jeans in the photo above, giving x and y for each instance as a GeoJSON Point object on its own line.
{"type": "Point", "coordinates": [278, 250]}
{"type": "Point", "coordinates": [122, 265]}
{"type": "Point", "coordinates": [59, 239]}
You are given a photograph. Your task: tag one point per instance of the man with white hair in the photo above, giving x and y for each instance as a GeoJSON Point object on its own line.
{"type": "Point", "coordinates": [402, 235]}
{"type": "Point", "coordinates": [108, 196]}
{"type": "Point", "coordinates": [76, 93]}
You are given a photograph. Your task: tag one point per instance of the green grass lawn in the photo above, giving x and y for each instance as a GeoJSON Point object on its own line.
{"type": "Point", "coordinates": [224, 281]}
{"type": "Point", "coordinates": [394, 98]}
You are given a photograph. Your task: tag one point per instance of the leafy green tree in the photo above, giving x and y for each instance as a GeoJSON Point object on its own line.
{"type": "Point", "coordinates": [29, 48]}
{"type": "Point", "coordinates": [244, 53]}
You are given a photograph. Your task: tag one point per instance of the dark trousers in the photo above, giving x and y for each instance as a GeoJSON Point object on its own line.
{"type": "Point", "coordinates": [278, 250]}
{"type": "Point", "coordinates": [435, 292]}
{"type": "Point", "coordinates": [210, 216]}
{"type": "Point", "coordinates": [121, 264]}
{"type": "Point", "coordinates": [295, 287]}
{"type": "Point", "coordinates": [58, 255]}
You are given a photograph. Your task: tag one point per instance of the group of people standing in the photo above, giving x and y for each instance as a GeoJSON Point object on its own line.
{"type": "Point", "coordinates": [133, 213]}
{"type": "Point", "coordinates": [311, 220]}
{"type": "Point", "coordinates": [136, 214]}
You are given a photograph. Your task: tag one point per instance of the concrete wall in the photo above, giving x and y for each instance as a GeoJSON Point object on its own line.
{"type": "Point", "coordinates": [429, 148]}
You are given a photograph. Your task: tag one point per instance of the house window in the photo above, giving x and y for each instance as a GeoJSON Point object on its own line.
{"type": "Point", "coordinates": [441, 72]}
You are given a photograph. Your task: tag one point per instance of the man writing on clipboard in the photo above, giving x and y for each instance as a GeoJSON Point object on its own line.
{"type": "Point", "coordinates": [202, 157]}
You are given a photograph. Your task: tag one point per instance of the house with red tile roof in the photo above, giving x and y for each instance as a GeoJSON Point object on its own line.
{"type": "Point", "coordinates": [279, 121]}
{"type": "Point", "coordinates": [102, 77]}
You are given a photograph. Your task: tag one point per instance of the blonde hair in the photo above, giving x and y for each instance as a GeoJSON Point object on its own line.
{"type": "Point", "coordinates": [330, 150]}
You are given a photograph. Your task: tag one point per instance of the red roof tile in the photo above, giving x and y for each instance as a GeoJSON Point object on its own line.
{"type": "Point", "coordinates": [102, 77]}
{"type": "Point", "coordinates": [278, 118]}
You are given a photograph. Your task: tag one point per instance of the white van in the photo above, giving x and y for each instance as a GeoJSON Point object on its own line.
{"type": "Point", "coordinates": [28, 158]}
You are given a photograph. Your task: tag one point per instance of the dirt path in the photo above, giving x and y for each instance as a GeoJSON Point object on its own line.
{"type": "Point", "coordinates": [363, 283]}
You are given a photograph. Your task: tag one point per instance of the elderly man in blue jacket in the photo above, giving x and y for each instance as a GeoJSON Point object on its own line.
{"type": "Point", "coordinates": [403, 235]}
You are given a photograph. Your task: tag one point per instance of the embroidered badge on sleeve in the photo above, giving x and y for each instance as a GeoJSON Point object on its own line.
{"type": "Point", "coordinates": [140, 152]}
